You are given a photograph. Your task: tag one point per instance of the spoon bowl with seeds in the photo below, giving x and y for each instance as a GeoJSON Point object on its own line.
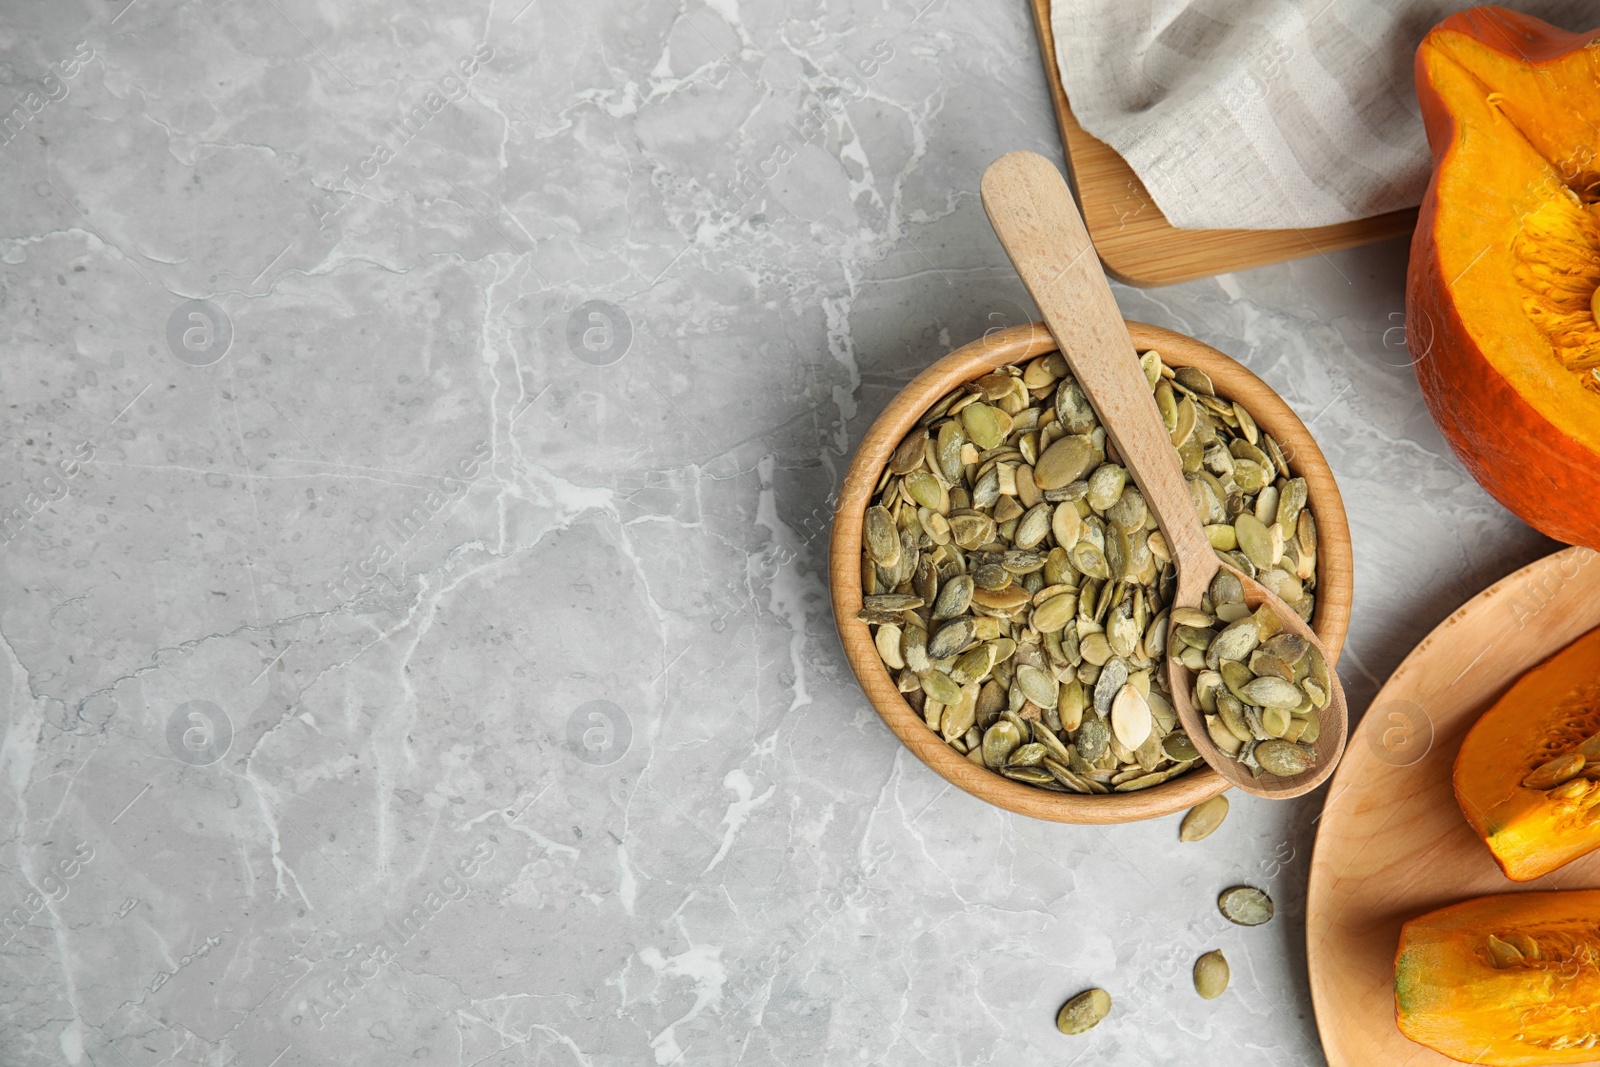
{"type": "Point", "coordinates": [1249, 679]}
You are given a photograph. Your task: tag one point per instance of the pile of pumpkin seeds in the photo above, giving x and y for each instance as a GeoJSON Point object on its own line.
{"type": "Point", "coordinates": [1019, 586]}
{"type": "Point", "coordinates": [1259, 686]}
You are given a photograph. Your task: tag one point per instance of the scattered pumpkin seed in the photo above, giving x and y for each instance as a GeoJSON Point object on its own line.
{"type": "Point", "coordinates": [1245, 905]}
{"type": "Point", "coordinates": [1211, 974]}
{"type": "Point", "coordinates": [1083, 1012]}
{"type": "Point", "coordinates": [1203, 819]}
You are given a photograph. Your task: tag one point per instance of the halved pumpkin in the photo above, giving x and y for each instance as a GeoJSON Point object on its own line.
{"type": "Point", "coordinates": [1507, 981]}
{"type": "Point", "coordinates": [1528, 774]}
{"type": "Point", "coordinates": [1505, 262]}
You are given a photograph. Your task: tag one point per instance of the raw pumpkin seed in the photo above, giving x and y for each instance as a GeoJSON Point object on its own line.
{"type": "Point", "coordinates": [1130, 717]}
{"type": "Point", "coordinates": [1094, 738]}
{"type": "Point", "coordinates": [1245, 905]}
{"type": "Point", "coordinates": [1037, 686]}
{"type": "Point", "coordinates": [1178, 747]}
{"type": "Point", "coordinates": [1203, 819]}
{"type": "Point", "coordinates": [984, 425]}
{"type": "Point", "coordinates": [1054, 614]}
{"type": "Point", "coordinates": [1211, 975]}
{"type": "Point", "coordinates": [1028, 775]}
{"type": "Point", "coordinates": [1270, 692]}
{"type": "Point", "coordinates": [1502, 954]}
{"type": "Point", "coordinates": [892, 601]}
{"type": "Point", "coordinates": [953, 599]}
{"type": "Point", "coordinates": [1001, 740]}
{"type": "Point", "coordinates": [888, 642]}
{"type": "Point", "coordinates": [924, 489]}
{"type": "Point", "coordinates": [1555, 772]}
{"type": "Point", "coordinates": [1065, 461]}
{"type": "Point", "coordinates": [1285, 758]}
{"type": "Point", "coordinates": [1034, 526]}
{"type": "Point", "coordinates": [951, 638]}
{"type": "Point", "coordinates": [1083, 1012]}
{"type": "Point", "coordinates": [881, 538]}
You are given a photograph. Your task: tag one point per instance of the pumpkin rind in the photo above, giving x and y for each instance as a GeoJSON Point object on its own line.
{"type": "Point", "coordinates": [1530, 997]}
{"type": "Point", "coordinates": [1548, 713]}
{"type": "Point", "coordinates": [1504, 253]}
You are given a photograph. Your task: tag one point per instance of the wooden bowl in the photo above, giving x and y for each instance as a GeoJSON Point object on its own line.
{"type": "Point", "coordinates": [1018, 345]}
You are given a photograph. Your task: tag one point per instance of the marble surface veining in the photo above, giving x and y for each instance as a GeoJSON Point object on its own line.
{"type": "Point", "coordinates": [419, 422]}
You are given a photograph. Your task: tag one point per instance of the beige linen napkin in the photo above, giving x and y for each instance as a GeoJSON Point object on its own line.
{"type": "Point", "coordinates": [1262, 114]}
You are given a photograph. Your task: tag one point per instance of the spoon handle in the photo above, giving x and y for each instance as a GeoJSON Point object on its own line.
{"type": "Point", "coordinates": [1038, 224]}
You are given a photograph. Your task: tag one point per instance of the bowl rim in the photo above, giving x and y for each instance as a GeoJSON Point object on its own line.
{"type": "Point", "coordinates": [1018, 344]}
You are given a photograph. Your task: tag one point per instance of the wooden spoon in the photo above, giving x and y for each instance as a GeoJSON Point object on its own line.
{"type": "Point", "coordinates": [1038, 224]}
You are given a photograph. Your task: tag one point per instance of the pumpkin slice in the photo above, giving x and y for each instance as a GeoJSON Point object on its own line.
{"type": "Point", "coordinates": [1526, 776]}
{"type": "Point", "coordinates": [1505, 262]}
{"type": "Point", "coordinates": [1507, 981]}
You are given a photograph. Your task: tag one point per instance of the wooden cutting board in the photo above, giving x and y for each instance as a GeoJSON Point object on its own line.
{"type": "Point", "coordinates": [1136, 243]}
{"type": "Point", "coordinates": [1392, 843]}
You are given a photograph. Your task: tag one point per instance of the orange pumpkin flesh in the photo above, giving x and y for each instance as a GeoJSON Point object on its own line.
{"type": "Point", "coordinates": [1505, 262]}
{"type": "Point", "coordinates": [1506, 981]}
{"type": "Point", "coordinates": [1551, 710]}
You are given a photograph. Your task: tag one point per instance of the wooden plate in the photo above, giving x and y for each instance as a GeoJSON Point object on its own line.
{"type": "Point", "coordinates": [1392, 844]}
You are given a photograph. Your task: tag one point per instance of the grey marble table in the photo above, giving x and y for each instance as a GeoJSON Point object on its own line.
{"type": "Point", "coordinates": [419, 422]}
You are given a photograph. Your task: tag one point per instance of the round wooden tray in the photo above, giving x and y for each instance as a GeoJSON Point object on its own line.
{"type": "Point", "coordinates": [1391, 843]}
